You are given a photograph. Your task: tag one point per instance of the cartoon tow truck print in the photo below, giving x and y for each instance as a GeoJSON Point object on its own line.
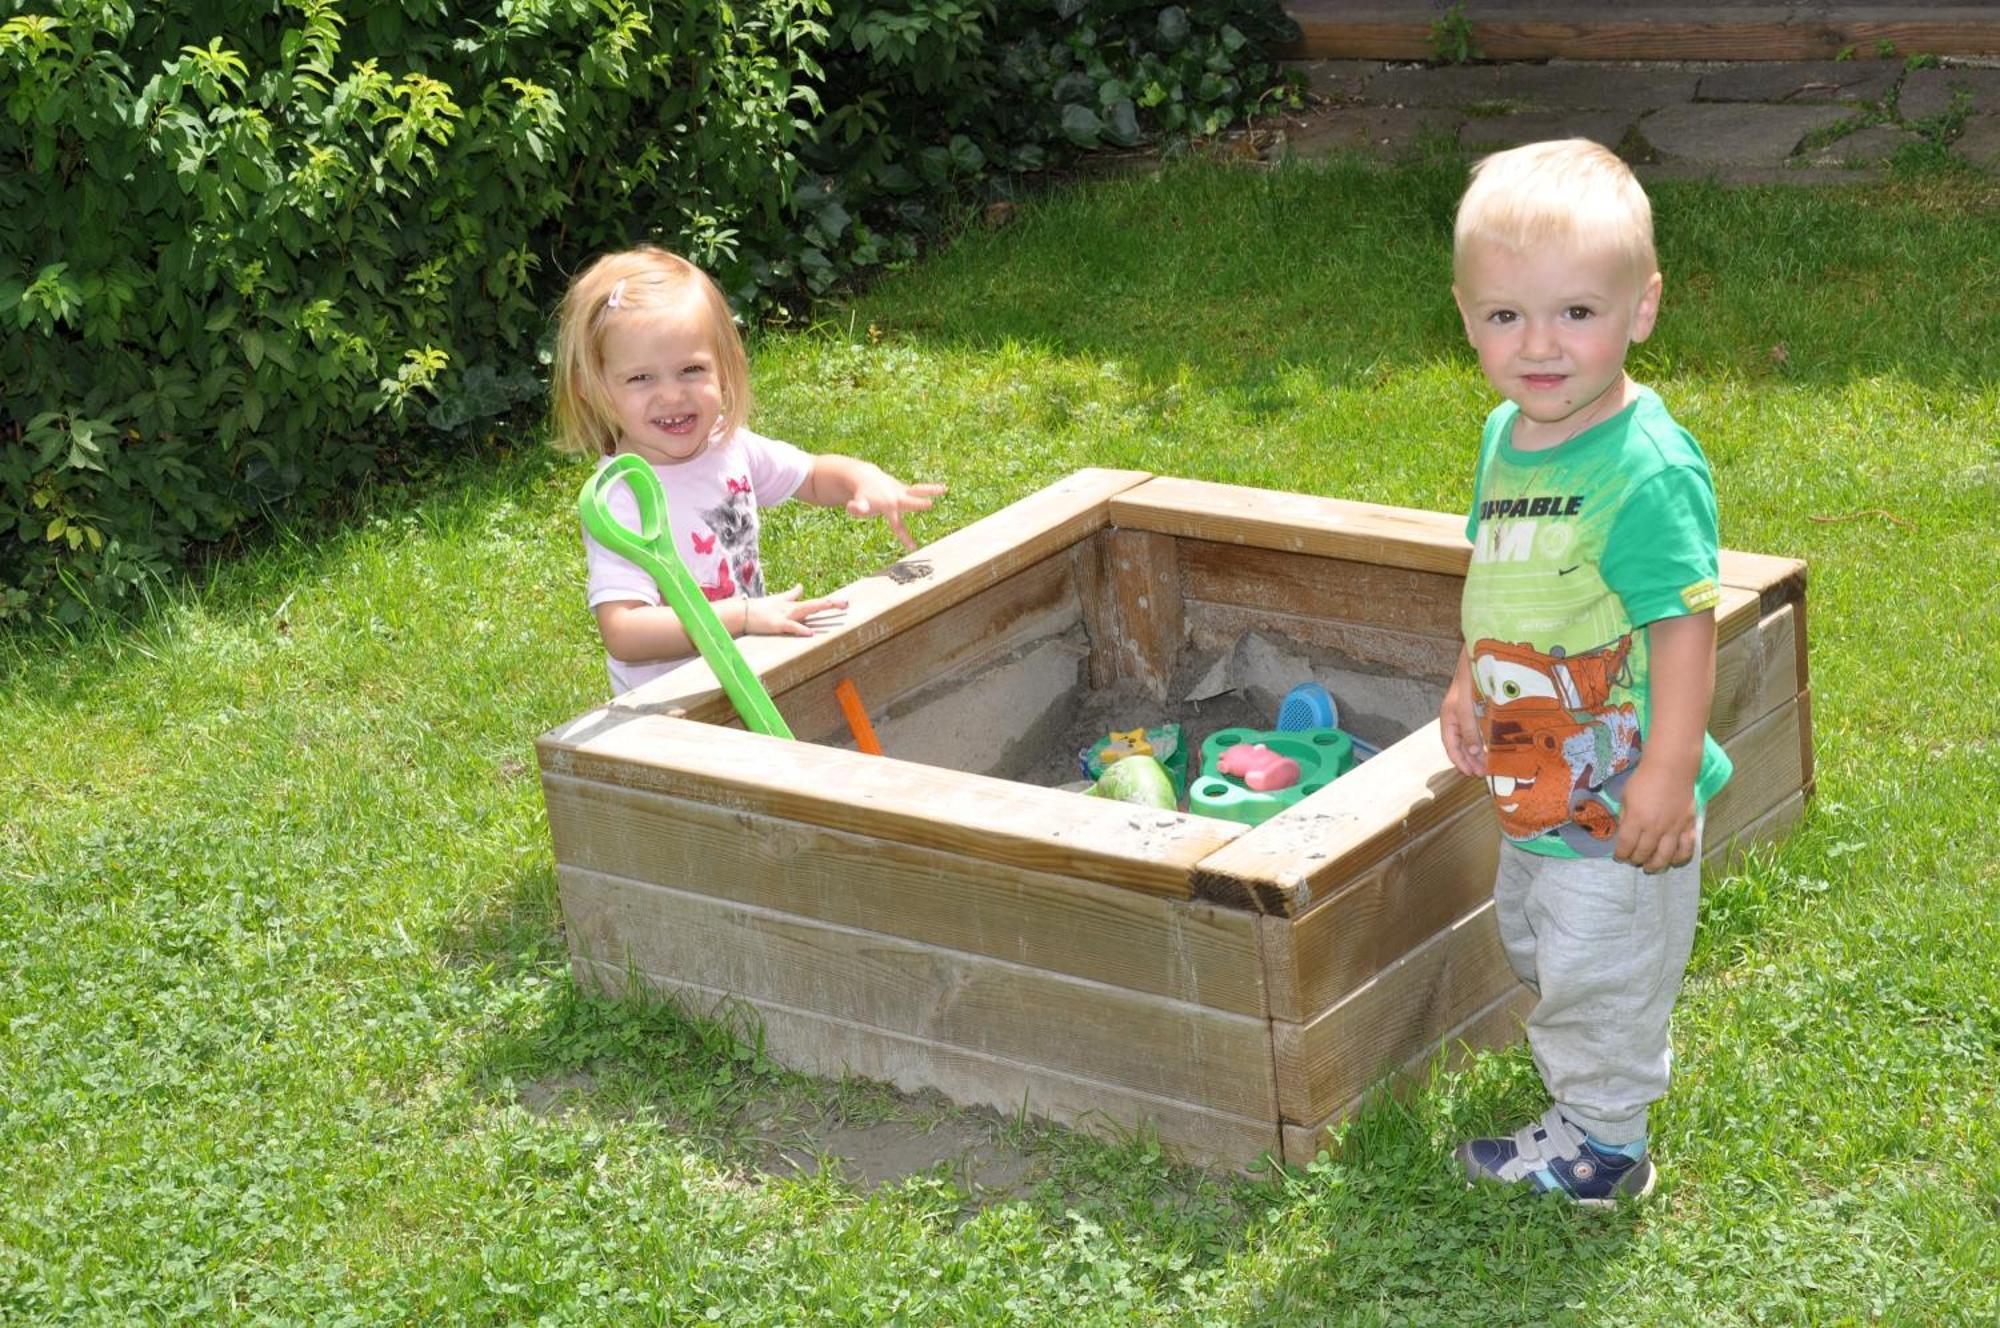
{"type": "Point", "coordinates": [1557, 750]}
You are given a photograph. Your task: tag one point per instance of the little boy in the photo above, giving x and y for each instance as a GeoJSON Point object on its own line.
{"type": "Point", "coordinates": [1583, 689]}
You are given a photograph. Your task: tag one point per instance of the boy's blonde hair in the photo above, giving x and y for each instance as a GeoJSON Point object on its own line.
{"type": "Point", "coordinates": [1570, 192]}
{"type": "Point", "coordinates": [642, 280]}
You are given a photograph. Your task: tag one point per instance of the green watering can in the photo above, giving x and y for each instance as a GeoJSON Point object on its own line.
{"type": "Point", "coordinates": [651, 547]}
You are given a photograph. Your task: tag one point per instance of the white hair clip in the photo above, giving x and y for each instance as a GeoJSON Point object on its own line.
{"type": "Point", "coordinates": [617, 294]}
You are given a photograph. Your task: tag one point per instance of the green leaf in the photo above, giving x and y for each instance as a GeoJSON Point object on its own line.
{"type": "Point", "coordinates": [1081, 126]}
{"type": "Point", "coordinates": [832, 219]}
{"type": "Point", "coordinates": [1124, 126]}
{"type": "Point", "coordinates": [966, 155]}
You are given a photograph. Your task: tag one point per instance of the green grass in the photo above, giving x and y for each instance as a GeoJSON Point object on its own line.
{"type": "Point", "coordinates": [286, 1033]}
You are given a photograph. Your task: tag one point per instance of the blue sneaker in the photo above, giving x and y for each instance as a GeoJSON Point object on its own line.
{"type": "Point", "coordinates": [1553, 1156]}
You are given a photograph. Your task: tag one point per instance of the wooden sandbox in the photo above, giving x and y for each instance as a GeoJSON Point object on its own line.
{"type": "Point", "coordinates": [917, 919]}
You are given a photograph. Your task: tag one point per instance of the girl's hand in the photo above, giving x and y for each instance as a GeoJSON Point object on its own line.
{"type": "Point", "coordinates": [878, 493]}
{"type": "Point", "coordinates": [785, 614]}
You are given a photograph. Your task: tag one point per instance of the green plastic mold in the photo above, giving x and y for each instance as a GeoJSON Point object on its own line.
{"type": "Point", "coordinates": [1323, 756]}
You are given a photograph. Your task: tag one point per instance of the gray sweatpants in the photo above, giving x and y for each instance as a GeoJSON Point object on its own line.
{"type": "Point", "coordinates": [1603, 945]}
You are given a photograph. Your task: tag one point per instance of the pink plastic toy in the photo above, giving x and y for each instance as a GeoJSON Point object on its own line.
{"type": "Point", "coordinates": [1258, 767]}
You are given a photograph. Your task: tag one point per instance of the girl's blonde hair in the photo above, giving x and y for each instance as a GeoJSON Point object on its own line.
{"type": "Point", "coordinates": [641, 280]}
{"type": "Point", "coordinates": [1570, 192]}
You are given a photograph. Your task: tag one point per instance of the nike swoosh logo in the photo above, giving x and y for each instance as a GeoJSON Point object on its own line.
{"type": "Point", "coordinates": [1565, 571]}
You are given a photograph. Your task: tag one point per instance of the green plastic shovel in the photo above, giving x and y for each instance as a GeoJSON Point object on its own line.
{"type": "Point", "coordinates": [651, 546]}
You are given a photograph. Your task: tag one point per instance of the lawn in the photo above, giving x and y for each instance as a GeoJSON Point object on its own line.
{"type": "Point", "coordinates": [286, 1031]}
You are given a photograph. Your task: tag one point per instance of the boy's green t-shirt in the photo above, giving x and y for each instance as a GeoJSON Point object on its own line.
{"type": "Point", "coordinates": [1574, 548]}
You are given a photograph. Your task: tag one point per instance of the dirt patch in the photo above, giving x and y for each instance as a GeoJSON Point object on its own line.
{"type": "Point", "coordinates": [558, 1094]}
{"type": "Point", "coordinates": [920, 1134]}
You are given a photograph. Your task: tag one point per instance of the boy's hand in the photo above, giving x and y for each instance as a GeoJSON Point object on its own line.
{"type": "Point", "coordinates": [878, 493]}
{"type": "Point", "coordinates": [1458, 722]}
{"type": "Point", "coordinates": [1656, 823]}
{"type": "Point", "coordinates": [785, 614]}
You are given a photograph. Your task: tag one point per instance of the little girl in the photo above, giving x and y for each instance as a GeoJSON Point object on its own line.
{"type": "Point", "coordinates": [648, 361]}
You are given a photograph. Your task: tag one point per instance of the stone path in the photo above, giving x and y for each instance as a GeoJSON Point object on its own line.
{"type": "Point", "coordinates": [1767, 122]}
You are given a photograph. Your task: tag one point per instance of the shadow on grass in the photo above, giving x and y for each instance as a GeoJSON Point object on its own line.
{"type": "Point", "coordinates": [701, 1073]}
{"type": "Point", "coordinates": [248, 577]}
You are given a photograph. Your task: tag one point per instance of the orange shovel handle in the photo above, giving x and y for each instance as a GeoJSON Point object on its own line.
{"type": "Point", "coordinates": [857, 717]}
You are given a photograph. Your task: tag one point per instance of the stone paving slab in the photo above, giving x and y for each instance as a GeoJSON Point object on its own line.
{"type": "Point", "coordinates": [1928, 92]}
{"type": "Point", "coordinates": [1735, 135]}
{"type": "Point", "coordinates": [1491, 133]}
{"type": "Point", "coordinates": [1338, 80]}
{"type": "Point", "coordinates": [1865, 147]}
{"type": "Point", "coordinates": [1980, 143]}
{"type": "Point", "coordinates": [1801, 83]}
{"type": "Point", "coordinates": [1385, 131]}
{"type": "Point", "coordinates": [1550, 87]}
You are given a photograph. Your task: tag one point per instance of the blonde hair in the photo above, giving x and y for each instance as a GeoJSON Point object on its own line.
{"type": "Point", "coordinates": [1569, 192]}
{"type": "Point", "coordinates": [641, 280]}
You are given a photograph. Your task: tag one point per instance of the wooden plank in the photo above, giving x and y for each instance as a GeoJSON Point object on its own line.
{"type": "Point", "coordinates": [1754, 674]}
{"type": "Point", "coordinates": [1040, 601]}
{"type": "Point", "coordinates": [1143, 576]}
{"type": "Point", "coordinates": [1808, 769]}
{"type": "Point", "coordinates": [1190, 951]}
{"type": "Point", "coordinates": [992, 820]}
{"type": "Point", "coordinates": [1167, 1048]}
{"type": "Point", "coordinates": [1300, 855]}
{"type": "Point", "coordinates": [1768, 767]}
{"type": "Point", "coordinates": [1326, 1061]}
{"type": "Point", "coordinates": [1371, 533]}
{"type": "Point", "coordinates": [1218, 627]}
{"type": "Point", "coordinates": [1500, 1024]}
{"type": "Point", "coordinates": [1776, 579]}
{"type": "Point", "coordinates": [1301, 523]}
{"type": "Point", "coordinates": [1738, 612]}
{"type": "Point", "coordinates": [921, 586]}
{"type": "Point", "coordinates": [1316, 959]}
{"type": "Point", "coordinates": [1799, 620]}
{"type": "Point", "coordinates": [1418, 602]}
{"type": "Point", "coordinates": [1553, 30]}
{"type": "Point", "coordinates": [818, 1043]}
{"type": "Point", "coordinates": [1092, 580]}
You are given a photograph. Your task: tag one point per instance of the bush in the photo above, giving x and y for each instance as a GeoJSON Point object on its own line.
{"type": "Point", "coordinates": [247, 272]}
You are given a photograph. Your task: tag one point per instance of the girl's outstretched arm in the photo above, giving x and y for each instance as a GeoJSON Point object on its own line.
{"type": "Point", "coordinates": [638, 633]}
{"type": "Point", "coordinates": [866, 490]}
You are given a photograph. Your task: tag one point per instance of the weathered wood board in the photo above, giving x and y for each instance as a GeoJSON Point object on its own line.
{"type": "Point", "coordinates": [1689, 30]}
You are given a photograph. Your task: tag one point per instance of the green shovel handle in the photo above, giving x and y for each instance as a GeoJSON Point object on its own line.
{"type": "Point", "coordinates": [651, 547]}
